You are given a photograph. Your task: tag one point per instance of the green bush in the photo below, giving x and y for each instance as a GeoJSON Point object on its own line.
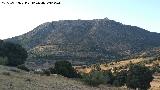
{"type": "Point", "coordinates": [155, 69]}
{"type": "Point", "coordinates": [52, 70]}
{"type": "Point", "coordinates": [139, 76]}
{"type": "Point", "coordinates": [3, 61]}
{"type": "Point", "coordinates": [23, 67]}
{"type": "Point", "coordinates": [46, 72]}
{"type": "Point", "coordinates": [65, 68]}
{"type": "Point", "coordinates": [108, 77]}
{"type": "Point", "coordinates": [120, 78]}
{"type": "Point", "coordinates": [95, 78]}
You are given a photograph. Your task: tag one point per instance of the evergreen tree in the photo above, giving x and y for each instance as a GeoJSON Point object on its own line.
{"type": "Point", "coordinates": [16, 54]}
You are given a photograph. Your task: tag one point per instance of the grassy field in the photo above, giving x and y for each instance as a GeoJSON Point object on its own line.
{"type": "Point", "coordinates": [15, 79]}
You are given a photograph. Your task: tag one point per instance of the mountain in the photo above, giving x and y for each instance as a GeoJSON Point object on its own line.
{"type": "Point", "coordinates": [86, 41]}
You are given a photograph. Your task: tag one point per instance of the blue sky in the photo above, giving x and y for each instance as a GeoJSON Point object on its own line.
{"type": "Point", "coordinates": [142, 13]}
{"type": "Point", "coordinates": [18, 19]}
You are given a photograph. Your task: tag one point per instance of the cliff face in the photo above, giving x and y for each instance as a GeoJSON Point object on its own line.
{"type": "Point", "coordinates": [86, 41]}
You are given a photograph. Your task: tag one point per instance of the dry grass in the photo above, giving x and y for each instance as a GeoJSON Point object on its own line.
{"type": "Point", "coordinates": [111, 65]}
{"type": "Point", "coordinates": [28, 81]}
{"type": "Point", "coordinates": [156, 82]}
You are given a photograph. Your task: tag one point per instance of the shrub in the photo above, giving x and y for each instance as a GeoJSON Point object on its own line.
{"type": "Point", "coordinates": [16, 54]}
{"type": "Point", "coordinates": [23, 67]}
{"type": "Point", "coordinates": [95, 78]}
{"type": "Point", "coordinates": [52, 70]}
{"type": "Point", "coordinates": [6, 73]}
{"type": "Point", "coordinates": [120, 78]}
{"type": "Point", "coordinates": [155, 69]}
{"type": "Point", "coordinates": [65, 68]}
{"type": "Point", "coordinates": [139, 76]}
{"type": "Point", "coordinates": [46, 72]}
{"type": "Point", "coordinates": [108, 77]}
{"type": "Point", "coordinates": [28, 80]}
{"type": "Point", "coordinates": [3, 60]}
{"type": "Point", "coordinates": [97, 67]}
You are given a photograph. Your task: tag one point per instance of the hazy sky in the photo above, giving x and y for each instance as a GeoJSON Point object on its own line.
{"type": "Point", "coordinates": [19, 19]}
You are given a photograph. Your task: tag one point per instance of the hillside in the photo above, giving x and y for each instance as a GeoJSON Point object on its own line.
{"type": "Point", "coordinates": [14, 79]}
{"type": "Point", "coordinates": [150, 62]}
{"type": "Point", "coordinates": [86, 41]}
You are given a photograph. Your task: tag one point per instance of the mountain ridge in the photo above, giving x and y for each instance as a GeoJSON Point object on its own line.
{"type": "Point", "coordinates": [83, 40]}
